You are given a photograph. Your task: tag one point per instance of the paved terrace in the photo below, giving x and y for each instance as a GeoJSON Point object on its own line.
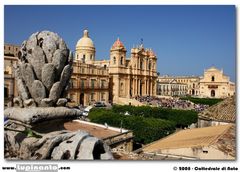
{"type": "Point", "coordinates": [96, 130]}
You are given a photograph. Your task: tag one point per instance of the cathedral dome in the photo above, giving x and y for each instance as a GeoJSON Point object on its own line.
{"type": "Point", "coordinates": [85, 41]}
{"type": "Point", "coordinates": [212, 69]}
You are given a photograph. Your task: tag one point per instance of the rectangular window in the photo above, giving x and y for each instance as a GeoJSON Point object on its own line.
{"type": "Point", "coordinates": [82, 84]}
{"type": "Point", "coordinates": [102, 83]}
{"type": "Point", "coordinates": [92, 83]}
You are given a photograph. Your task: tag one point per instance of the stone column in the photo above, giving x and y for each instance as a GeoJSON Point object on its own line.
{"type": "Point", "coordinates": [128, 87]}
{"type": "Point", "coordinates": [151, 88]}
{"type": "Point", "coordinates": [154, 88]}
{"type": "Point", "coordinates": [116, 87]}
{"type": "Point", "coordinates": [135, 86]}
{"type": "Point", "coordinates": [147, 86]}
{"type": "Point", "coordinates": [139, 86]}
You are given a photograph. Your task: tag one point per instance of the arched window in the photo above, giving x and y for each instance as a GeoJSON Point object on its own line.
{"type": "Point", "coordinates": [121, 62]}
{"type": "Point", "coordinates": [141, 64]}
{"type": "Point", "coordinates": [91, 57]}
{"type": "Point", "coordinates": [213, 78]}
{"type": "Point", "coordinates": [84, 57]}
{"type": "Point", "coordinates": [114, 60]}
{"type": "Point", "coordinates": [149, 66]}
{"type": "Point", "coordinates": [121, 88]}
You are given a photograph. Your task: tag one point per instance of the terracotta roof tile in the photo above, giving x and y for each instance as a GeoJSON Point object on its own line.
{"type": "Point", "coordinates": [196, 137]}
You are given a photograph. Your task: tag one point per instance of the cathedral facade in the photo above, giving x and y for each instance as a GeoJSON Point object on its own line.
{"type": "Point", "coordinates": [215, 84]}
{"type": "Point", "coordinates": [113, 80]}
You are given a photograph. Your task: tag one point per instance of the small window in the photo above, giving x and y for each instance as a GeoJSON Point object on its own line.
{"type": "Point", "coordinates": [213, 79]}
{"type": "Point", "coordinates": [212, 93]}
{"type": "Point", "coordinates": [91, 57]}
{"type": "Point", "coordinates": [141, 64]}
{"type": "Point", "coordinates": [102, 83]}
{"type": "Point", "coordinates": [121, 86]}
{"type": "Point", "coordinates": [82, 84]}
{"type": "Point", "coordinates": [121, 62]}
{"type": "Point", "coordinates": [84, 57]}
{"type": "Point", "coordinates": [92, 83]}
{"type": "Point", "coordinates": [114, 60]}
{"type": "Point", "coordinates": [205, 151]}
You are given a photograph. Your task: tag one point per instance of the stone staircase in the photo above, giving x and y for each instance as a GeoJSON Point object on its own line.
{"type": "Point", "coordinates": [127, 101]}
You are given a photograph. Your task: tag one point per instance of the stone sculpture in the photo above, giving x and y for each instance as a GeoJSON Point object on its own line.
{"type": "Point", "coordinates": [44, 70]}
{"type": "Point", "coordinates": [42, 77]}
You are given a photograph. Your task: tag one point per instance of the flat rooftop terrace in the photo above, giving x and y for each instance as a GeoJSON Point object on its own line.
{"type": "Point", "coordinates": [96, 130]}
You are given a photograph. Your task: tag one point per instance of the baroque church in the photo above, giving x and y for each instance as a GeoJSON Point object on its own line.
{"type": "Point", "coordinates": [115, 80]}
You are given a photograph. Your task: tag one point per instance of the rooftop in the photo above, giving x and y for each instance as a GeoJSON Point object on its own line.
{"type": "Point", "coordinates": [99, 131]}
{"type": "Point", "coordinates": [222, 136]}
{"type": "Point", "coordinates": [224, 111]}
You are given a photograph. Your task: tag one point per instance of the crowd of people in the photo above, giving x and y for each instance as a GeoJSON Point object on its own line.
{"type": "Point", "coordinates": [174, 103]}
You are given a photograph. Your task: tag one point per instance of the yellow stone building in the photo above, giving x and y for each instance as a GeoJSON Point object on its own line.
{"type": "Point", "coordinates": [10, 58]}
{"type": "Point", "coordinates": [115, 80]}
{"type": "Point", "coordinates": [178, 85]}
{"type": "Point", "coordinates": [213, 84]}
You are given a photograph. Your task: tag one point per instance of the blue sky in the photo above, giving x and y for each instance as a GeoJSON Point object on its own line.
{"type": "Point", "coordinates": [186, 39]}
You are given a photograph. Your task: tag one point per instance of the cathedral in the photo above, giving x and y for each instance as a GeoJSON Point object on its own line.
{"type": "Point", "coordinates": [115, 80]}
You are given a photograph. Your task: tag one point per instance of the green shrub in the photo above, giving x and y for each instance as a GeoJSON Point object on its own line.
{"type": "Point", "coordinates": [204, 101]}
{"type": "Point", "coordinates": [182, 118]}
{"type": "Point", "coordinates": [145, 130]}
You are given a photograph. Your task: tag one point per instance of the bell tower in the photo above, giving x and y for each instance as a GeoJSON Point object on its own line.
{"type": "Point", "coordinates": [117, 61]}
{"type": "Point", "coordinates": [118, 54]}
